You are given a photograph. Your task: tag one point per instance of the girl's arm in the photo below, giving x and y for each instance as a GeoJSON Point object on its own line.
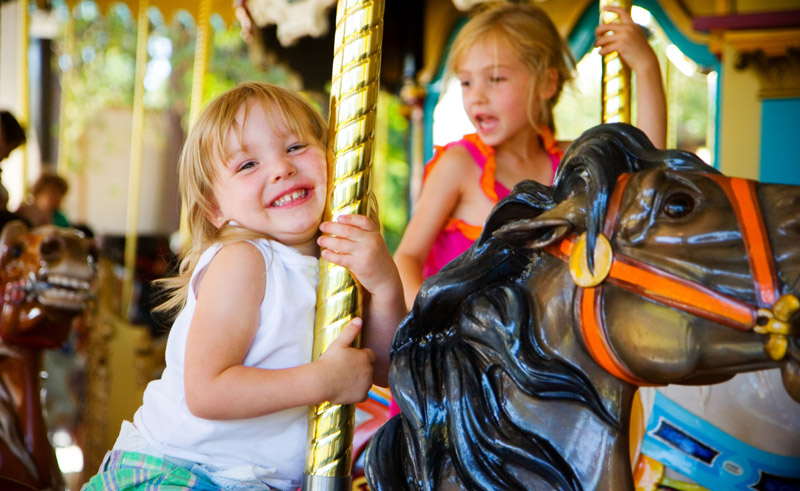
{"type": "Point", "coordinates": [355, 242]}
{"type": "Point", "coordinates": [219, 386]}
{"type": "Point", "coordinates": [436, 204]}
{"type": "Point", "coordinates": [627, 38]}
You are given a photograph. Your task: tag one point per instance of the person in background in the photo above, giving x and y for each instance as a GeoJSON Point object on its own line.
{"type": "Point", "coordinates": [44, 203]}
{"type": "Point", "coordinates": [512, 64]}
{"type": "Point", "coordinates": [12, 135]}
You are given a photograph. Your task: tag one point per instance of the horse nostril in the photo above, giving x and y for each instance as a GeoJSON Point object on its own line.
{"type": "Point", "coordinates": [51, 248]}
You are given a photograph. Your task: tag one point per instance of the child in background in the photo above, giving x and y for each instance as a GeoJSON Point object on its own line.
{"type": "Point", "coordinates": [231, 408]}
{"type": "Point", "coordinates": [12, 135]}
{"type": "Point", "coordinates": [46, 196]}
{"type": "Point", "coordinates": [512, 64]}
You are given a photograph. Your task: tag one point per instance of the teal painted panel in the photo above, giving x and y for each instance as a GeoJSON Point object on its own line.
{"type": "Point", "coordinates": [780, 141]}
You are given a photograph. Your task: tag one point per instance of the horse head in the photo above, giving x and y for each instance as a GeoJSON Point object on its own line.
{"type": "Point", "coordinates": [518, 363]}
{"type": "Point", "coordinates": [46, 276]}
{"type": "Point", "coordinates": [715, 259]}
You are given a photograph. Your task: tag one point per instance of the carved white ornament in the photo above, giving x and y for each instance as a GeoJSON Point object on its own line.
{"type": "Point", "coordinates": [294, 18]}
{"type": "Point", "coordinates": [466, 4]}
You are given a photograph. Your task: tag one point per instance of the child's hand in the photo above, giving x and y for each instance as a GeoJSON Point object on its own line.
{"type": "Point", "coordinates": [347, 371]}
{"type": "Point", "coordinates": [626, 38]}
{"type": "Point", "coordinates": [355, 242]}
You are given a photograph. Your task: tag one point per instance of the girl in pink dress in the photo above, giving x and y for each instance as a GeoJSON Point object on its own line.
{"type": "Point", "coordinates": [512, 64]}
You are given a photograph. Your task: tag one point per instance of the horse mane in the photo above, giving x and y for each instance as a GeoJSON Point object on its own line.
{"type": "Point", "coordinates": [470, 337]}
{"type": "Point", "coordinates": [442, 335]}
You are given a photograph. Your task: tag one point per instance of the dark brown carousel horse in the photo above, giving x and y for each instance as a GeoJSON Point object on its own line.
{"type": "Point", "coordinates": [45, 283]}
{"type": "Point", "coordinates": [517, 366]}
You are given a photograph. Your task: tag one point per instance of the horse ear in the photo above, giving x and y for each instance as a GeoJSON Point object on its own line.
{"type": "Point", "coordinates": [548, 227]}
{"type": "Point", "coordinates": [11, 230]}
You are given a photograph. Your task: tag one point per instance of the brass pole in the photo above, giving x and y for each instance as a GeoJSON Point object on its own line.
{"type": "Point", "coordinates": [354, 95]}
{"type": "Point", "coordinates": [201, 53]}
{"type": "Point", "coordinates": [135, 169]}
{"type": "Point", "coordinates": [616, 108]}
{"type": "Point", "coordinates": [200, 58]}
{"type": "Point", "coordinates": [64, 143]}
{"type": "Point", "coordinates": [22, 82]}
{"type": "Point", "coordinates": [616, 77]}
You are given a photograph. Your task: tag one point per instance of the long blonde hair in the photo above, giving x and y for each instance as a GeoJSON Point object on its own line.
{"type": "Point", "coordinates": [203, 151]}
{"type": "Point", "coordinates": [531, 35]}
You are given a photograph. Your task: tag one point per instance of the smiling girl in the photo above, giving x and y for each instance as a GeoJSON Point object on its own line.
{"type": "Point", "coordinates": [231, 408]}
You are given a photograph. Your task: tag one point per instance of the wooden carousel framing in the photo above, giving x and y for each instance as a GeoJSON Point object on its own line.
{"type": "Point", "coordinates": [353, 104]}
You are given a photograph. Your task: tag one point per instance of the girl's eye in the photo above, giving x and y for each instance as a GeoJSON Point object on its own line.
{"type": "Point", "coordinates": [247, 165]}
{"type": "Point", "coordinates": [464, 83]}
{"type": "Point", "coordinates": [296, 147]}
{"type": "Point", "coordinates": [496, 79]}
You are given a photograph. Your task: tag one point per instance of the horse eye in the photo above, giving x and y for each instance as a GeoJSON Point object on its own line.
{"type": "Point", "coordinates": [15, 251]}
{"type": "Point", "coordinates": [678, 205]}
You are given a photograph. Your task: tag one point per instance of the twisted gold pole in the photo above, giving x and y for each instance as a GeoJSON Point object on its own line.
{"type": "Point", "coordinates": [135, 169]}
{"type": "Point", "coordinates": [22, 81]}
{"type": "Point", "coordinates": [354, 95]}
{"type": "Point", "coordinates": [616, 96]}
{"type": "Point", "coordinates": [616, 86]}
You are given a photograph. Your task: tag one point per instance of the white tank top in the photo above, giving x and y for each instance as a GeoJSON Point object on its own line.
{"type": "Point", "coordinates": [284, 339]}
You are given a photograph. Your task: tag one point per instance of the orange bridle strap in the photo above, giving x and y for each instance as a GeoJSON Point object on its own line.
{"type": "Point", "coordinates": [671, 290]}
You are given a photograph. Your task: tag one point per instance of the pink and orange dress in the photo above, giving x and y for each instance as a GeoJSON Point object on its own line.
{"type": "Point", "coordinates": [457, 235]}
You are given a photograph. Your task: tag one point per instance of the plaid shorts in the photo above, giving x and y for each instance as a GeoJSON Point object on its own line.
{"type": "Point", "coordinates": [134, 471]}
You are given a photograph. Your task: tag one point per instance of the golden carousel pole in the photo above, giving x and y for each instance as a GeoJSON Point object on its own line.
{"type": "Point", "coordinates": [354, 95]}
{"type": "Point", "coordinates": [67, 77]}
{"type": "Point", "coordinates": [616, 96]}
{"type": "Point", "coordinates": [616, 76]}
{"type": "Point", "coordinates": [201, 49]}
{"type": "Point", "coordinates": [135, 170]}
{"type": "Point", "coordinates": [22, 81]}
{"type": "Point", "coordinates": [201, 53]}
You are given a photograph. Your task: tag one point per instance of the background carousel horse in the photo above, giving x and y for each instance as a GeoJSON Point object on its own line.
{"type": "Point", "coordinates": [518, 363]}
{"type": "Point", "coordinates": [724, 436]}
{"type": "Point", "coordinates": [45, 283]}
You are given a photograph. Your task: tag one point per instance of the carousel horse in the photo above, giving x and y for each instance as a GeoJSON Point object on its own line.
{"type": "Point", "coordinates": [518, 363]}
{"type": "Point", "coordinates": [46, 275]}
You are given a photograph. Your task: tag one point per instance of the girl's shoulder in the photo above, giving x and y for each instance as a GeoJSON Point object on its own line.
{"type": "Point", "coordinates": [456, 158]}
{"type": "Point", "coordinates": [240, 254]}
{"type": "Point", "coordinates": [230, 263]}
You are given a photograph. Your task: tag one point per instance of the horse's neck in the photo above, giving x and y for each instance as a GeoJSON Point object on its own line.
{"type": "Point", "coordinates": [20, 370]}
{"type": "Point", "coordinates": [597, 450]}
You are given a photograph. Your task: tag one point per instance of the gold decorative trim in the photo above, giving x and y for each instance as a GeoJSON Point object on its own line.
{"type": "Point", "coordinates": [778, 74]}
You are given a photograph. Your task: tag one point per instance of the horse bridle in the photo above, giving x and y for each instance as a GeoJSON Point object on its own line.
{"type": "Point", "coordinates": [770, 316]}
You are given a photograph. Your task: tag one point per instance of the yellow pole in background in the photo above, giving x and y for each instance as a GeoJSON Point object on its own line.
{"type": "Point", "coordinates": [22, 82]}
{"type": "Point", "coordinates": [354, 94]}
{"type": "Point", "coordinates": [616, 97]}
{"type": "Point", "coordinates": [616, 85]}
{"type": "Point", "coordinates": [64, 143]}
{"type": "Point", "coordinates": [201, 46]}
{"type": "Point", "coordinates": [201, 53]}
{"type": "Point", "coordinates": [135, 170]}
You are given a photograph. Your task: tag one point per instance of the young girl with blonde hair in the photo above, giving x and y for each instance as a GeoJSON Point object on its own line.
{"type": "Point", "coordinates": [231, 408]}
{"type": "Point", "coordinates": [512, 64]}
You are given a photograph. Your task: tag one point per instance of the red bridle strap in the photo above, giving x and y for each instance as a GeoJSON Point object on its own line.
{"type": "Point", "coordinates": [742, 195]}
{"type": "Point", "coordinates": [669, 289]}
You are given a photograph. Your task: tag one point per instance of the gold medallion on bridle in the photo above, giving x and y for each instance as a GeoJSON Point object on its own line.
{"type": "Point", "coordinates": [579, 269]}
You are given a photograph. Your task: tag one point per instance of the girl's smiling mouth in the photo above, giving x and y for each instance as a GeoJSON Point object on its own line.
{"type": "Point", "coordinates": [290, 198]}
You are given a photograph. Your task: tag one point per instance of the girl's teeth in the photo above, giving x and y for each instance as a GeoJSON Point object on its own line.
{"type": "Point", "coordinates": [287, 198]}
